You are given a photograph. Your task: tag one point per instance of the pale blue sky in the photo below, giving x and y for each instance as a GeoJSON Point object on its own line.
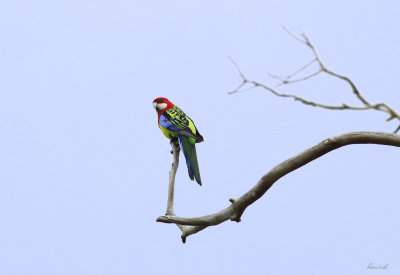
{"type": "Point", "coordinates": [84, 167]}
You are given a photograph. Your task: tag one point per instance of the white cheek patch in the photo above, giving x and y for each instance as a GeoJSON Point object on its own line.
{"type": "Point", "coordinates": [161, 106]}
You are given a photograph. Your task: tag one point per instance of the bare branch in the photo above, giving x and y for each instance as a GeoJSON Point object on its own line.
{"type": "Point", "coordinates": [172, 173]}
{"type": "Point", "coordinates": [238, 206]}
{"type": "Point", "coordinates": [285, 80]}
{"type": "Point", "coordinates": [171, 186]}
{"type": "Point", "coordinates": [344, 106]}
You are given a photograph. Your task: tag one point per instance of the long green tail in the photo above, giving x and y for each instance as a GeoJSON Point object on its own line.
{"type": "Point", "coordinates": [189, 150]}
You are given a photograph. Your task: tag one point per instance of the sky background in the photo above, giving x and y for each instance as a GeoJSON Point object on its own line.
{"type": "Point", "coordinates": [84, 167]}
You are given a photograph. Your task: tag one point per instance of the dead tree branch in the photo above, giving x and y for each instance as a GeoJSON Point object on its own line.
{"type": "Point", "coordinates": [289, 79]}
{"type": "Point", "coordinates": [235, 211]}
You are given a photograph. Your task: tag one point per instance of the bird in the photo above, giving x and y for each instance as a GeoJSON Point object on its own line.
{"type": "Point", "coordinates": [175, 124]}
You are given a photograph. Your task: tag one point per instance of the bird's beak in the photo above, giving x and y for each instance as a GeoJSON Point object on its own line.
{"type": "Point", "coordinates": [155, 105]}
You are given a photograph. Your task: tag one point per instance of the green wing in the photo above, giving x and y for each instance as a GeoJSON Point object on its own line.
{"type": "Point", "coordinates": [177, 121]}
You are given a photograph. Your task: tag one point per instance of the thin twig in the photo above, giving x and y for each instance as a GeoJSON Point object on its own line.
{"type": "Point", "coordinates": [299, 79]}
{"type": "Point", "coordinates": [286, 78]}
{"type": "Point", "coordinates": [293, 35]}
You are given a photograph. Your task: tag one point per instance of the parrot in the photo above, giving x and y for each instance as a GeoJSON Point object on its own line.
{"type": "Point", "coordinates": [175, 124]}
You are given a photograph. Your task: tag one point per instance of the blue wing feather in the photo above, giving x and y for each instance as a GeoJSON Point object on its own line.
{"type": "Point", "coordinates": [167, 124]}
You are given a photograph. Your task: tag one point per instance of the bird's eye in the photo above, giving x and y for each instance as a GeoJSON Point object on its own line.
{"type": "Point", "coordinates": [161, 100]}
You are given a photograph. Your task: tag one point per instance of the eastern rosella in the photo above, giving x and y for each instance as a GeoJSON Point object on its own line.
{"type": "Point", "coordinates": [175, 124]}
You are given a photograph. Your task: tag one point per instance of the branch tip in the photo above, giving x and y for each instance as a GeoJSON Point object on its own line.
{"type": "Point", "coordinates": [390, 118]}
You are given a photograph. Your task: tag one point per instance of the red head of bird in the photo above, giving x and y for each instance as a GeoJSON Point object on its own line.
{"type": "Point", "coordinates": [162, 104]}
